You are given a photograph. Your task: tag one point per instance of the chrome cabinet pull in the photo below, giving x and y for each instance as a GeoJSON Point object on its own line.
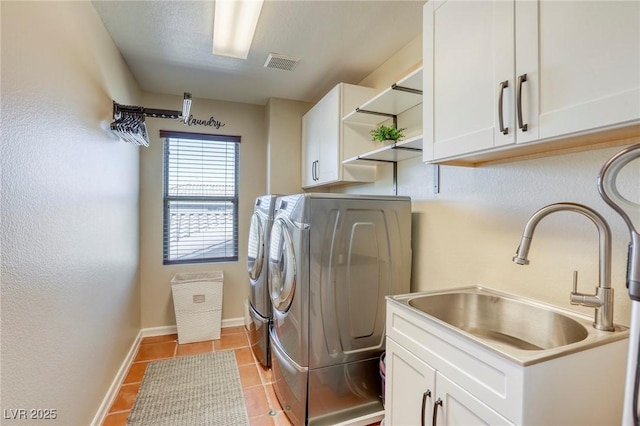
{"type": "Point", "coordinates": [521, 79]}
{"type": "Point", "coordinates": [503, 85]}
{"type": "Point", "coordinates": [435, 411]}
{"type": "Point", "coordinates": [317, 171]}
{"type": "Point", "coordinates": [423, 417]}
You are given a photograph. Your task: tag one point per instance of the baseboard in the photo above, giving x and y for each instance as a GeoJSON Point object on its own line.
{"type": "Point", "coordinates": [232, 322]}
{"type": "Point", "coordinates": [112, 392]}
{"type": "Point", "coordinates": [159, 331]}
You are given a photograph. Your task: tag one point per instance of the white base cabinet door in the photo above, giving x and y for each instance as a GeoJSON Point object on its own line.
{"type": "Point", "coordinates": [416, 394]}
{"type": "Point", "coordinates": [409, 387]}
{"type": "Point", "coordinates": [454, 406]}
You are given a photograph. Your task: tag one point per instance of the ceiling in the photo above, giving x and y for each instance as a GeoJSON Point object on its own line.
{"type": "Point", "coordinates": [167, 46]}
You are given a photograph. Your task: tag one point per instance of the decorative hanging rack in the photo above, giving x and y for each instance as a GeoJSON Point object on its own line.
{"type": "Point", "coordinates": [129, 122]}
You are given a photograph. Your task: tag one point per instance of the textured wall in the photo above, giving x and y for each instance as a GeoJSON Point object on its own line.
{"type": "Point", "coordinates": [69, 212]}
{"type": "Point", "coordinates": [245, 120]}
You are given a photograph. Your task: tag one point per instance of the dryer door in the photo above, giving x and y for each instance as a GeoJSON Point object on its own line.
{"type": "Point", "coordinates": [282, 266]}
{"type": "Point", "coordinates": [255, 254]}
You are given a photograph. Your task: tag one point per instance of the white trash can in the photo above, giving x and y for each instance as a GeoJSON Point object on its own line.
{"type": "Point", "coordinates": [197, 300]}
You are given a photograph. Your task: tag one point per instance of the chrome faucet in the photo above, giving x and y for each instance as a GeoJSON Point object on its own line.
{"type": "Point", "coordinates": [602, 300]}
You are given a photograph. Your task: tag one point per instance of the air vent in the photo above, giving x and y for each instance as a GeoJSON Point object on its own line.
{"type": "Point", "coordinates": [281, 62]}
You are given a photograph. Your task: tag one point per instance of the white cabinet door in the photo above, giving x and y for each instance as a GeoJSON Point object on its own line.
{"type": "Point", "coordinates": [309, 149]}
{"type": "Point", "coordinates": [409, 387]}
{"type": "Point", "coordinates": [321, 141]}
{"type": "Point", "coordinates": [329, 121]}
{"type": "Point", "coordinates": [454, 406]}
{"type": "Point", "coordinates": [415, 393]}
{"type": "Point", "coordinates": [468, 70]}
{"type": "Point", "coordinates": [582, 60]}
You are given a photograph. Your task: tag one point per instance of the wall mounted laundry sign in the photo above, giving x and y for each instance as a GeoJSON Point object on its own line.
{"type": "Point", "coordinates": [211, 122]}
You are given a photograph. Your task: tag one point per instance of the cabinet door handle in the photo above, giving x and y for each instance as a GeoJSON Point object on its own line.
{"type": "Point", "coordinates": [317, 169]}
{"type": "Point", "coordinates": [503, 85]}
{"type": "Point", "coordinates": [425, 395]}
{"type": "Point", "coordinates": [521, 125]}
{"type": "Point", "coordinates": [313, 170]}
{"type": "Point", "coordinates": [435, 411]}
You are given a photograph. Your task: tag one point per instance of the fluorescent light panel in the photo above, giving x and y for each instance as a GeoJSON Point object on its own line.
{"type": "Point", "coordinates": [234, 24]}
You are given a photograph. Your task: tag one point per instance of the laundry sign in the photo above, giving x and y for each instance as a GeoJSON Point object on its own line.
{"type": "Point", "coordinates": [211, 122]}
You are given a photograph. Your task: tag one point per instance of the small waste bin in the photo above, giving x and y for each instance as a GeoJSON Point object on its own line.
{"type": "Point", "coordinates": [197, 300]}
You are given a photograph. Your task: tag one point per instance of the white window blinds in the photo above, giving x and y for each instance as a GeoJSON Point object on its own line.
{"type": "Point", "coordinates": [200, 197]}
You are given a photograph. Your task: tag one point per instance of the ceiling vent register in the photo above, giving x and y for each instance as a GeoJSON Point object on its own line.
{"type": "Point", "coordinates": [281, 62]}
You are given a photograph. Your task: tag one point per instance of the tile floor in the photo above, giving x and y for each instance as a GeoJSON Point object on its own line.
{"type": "Point", "coordinates": [262, 405]}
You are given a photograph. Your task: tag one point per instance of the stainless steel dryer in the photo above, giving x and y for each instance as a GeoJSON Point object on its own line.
{"type": "Point", "coordinates": [333, 259]}
{"type": "Point", "coordinates": [258, 267]}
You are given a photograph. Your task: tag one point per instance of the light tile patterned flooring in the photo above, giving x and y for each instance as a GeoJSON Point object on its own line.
{"type": "Point", "coordinates": [262, 405]}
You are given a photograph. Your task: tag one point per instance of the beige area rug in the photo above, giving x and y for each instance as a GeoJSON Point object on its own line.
{"type": "Point", "coordinates": [193, 390]}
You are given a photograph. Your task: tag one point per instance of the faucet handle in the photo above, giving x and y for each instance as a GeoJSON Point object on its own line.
{"type": "Point", "coordinates": [575, 282]}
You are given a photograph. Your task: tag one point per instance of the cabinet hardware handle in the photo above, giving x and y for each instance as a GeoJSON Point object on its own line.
{"type": "Point", "coordinates": [435, 411]}
{"type": "Point", "coordinates": [503, 85]}
{"type": "Point", "coordinates": [521, 79]}
{"type": "Point", "coordinates": [425, 395]}
{"type": "Point", "coordinates": [317, 169]}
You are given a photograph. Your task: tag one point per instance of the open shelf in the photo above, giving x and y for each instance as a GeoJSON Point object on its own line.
{"type": "Point", "coordinates": [391, 101]}
{"type": "Point", "coordinates": [391, 153]}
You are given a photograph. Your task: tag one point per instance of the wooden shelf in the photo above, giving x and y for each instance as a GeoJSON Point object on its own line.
{"type": "Point", "coordinates": [390, 101]}
{"type": "Point", "coordinates": [391, 153]}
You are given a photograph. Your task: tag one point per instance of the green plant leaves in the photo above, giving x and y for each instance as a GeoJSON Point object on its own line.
{"type": "Point", "coordinates": [383, 133]}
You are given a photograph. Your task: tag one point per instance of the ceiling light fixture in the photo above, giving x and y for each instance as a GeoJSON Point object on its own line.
{"type": "Point", "coordinates": [234, 24]}
{"type": "Point", "coordinates": [186, 106]}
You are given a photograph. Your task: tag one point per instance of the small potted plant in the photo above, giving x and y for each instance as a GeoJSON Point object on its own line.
{"type": "Point", "coordinates": [389, 134]}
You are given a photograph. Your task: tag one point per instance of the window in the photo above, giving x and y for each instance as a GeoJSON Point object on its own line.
{"type": "Point", "coordinates": [200, 198]}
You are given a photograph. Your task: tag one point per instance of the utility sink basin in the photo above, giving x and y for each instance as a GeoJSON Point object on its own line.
{"type": "Point", "coordinates": [520, 329]}
{"type": "Point", "coordinates": [503, 320]}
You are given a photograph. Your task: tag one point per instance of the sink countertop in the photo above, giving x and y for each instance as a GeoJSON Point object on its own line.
{"type": "Point", "coordinates": [522, 357]}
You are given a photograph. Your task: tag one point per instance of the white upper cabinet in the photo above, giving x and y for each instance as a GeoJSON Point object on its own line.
{"type": "Point", "coordinates": [582, 60]}
{"type": "Point", "coordinates": [325, 143]}
{"type": "Point", "coordinates": [468, 55]}
{"type": "Point", "coordinates": [499, 75]}
{"type": "Point", "coordinates": [321, 139]}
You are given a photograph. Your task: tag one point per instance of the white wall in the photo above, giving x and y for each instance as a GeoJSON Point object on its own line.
{"type": "Point", "coordinates": [69, 212]}
{"type": "Point", "coordinates": [244, 120]}
{"type": "Point", "coordinates": [468, 233]}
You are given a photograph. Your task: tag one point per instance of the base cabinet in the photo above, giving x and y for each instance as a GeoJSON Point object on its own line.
{"type": "Point", "coordinates": [438, 376]}
{"type": "Point", "coordinates": [417, 394]}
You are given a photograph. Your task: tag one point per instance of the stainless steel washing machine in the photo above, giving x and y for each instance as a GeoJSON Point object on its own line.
{"type": "Point", "coordinates": [258, 267]}
{"type": "Point", "coordinates": [333, 259]}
